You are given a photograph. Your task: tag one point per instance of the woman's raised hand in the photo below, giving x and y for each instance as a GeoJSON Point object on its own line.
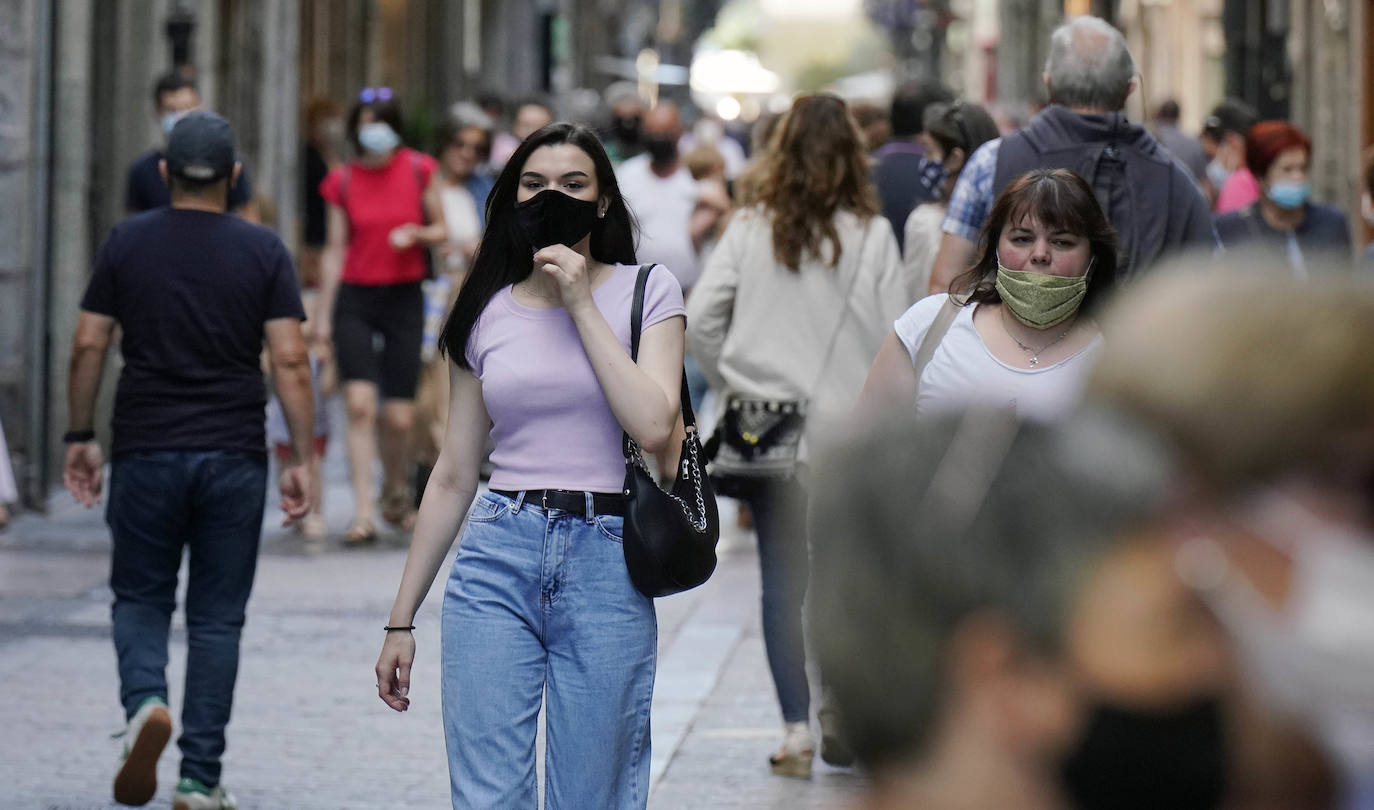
{"type": "Point", "coordinates": [569, 269]}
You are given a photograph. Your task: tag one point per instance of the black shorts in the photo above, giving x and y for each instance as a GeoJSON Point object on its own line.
{"type": "Point", "coordinates": [377, 334]}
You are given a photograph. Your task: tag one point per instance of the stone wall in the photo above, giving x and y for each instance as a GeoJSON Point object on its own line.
{"type": "Point", "coordinates": [18, 62]}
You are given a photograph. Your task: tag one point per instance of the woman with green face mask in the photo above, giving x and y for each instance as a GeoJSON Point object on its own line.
{"type": "Point", "coordinates": [1016, 330]}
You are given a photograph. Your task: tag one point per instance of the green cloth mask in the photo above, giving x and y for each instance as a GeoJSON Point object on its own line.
{"type": "Point", "coordinates": [1040, 300]}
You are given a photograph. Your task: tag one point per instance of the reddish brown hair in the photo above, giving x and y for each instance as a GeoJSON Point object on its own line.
{"type": "Point", "coordinates": [1269, 139]}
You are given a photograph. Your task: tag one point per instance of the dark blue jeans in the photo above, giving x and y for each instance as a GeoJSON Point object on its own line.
{"type": "Point", "coordinates": [210, 502]}
{"type": "Point", "coordinates": [779, 508]}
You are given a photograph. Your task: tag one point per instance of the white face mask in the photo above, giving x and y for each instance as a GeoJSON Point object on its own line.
{"type": "Point", "coordinates": [378, 137]}
{"type": "Point", "coordinates": [1367, 209]}
{"type": "Point", "coordinates": [1313, 657]}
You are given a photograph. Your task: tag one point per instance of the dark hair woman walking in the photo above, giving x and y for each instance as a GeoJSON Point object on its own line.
{"type": "Point", "coordinates": [539, 607]}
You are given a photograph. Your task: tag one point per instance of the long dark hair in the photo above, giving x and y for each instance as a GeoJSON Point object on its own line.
{"type": "Point", "coordinates": [1060, 200]}
{"type": "Point", "coordinates": [505, 255]}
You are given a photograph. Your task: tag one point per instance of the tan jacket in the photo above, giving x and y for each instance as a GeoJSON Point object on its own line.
{"type": "Point", "coordinates": [761, 330]}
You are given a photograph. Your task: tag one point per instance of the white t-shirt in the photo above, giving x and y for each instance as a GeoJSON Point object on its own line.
{"type": "Point", "coordinates": [460, 215]}
{"type": "Point", "coordinates": [663, 206]}
{"type": "Point", "coordinates": [963, 372]}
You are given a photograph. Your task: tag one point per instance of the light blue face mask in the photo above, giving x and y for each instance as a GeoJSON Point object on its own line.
{"type": "Point", "coordinates": [1217, 174]}
{"type": "Point", "coordinates": [378, 137]}
{"type": "Point", "coordinates": [1289, 195]}
{"type": "Point", "coordinates": [169, 120]}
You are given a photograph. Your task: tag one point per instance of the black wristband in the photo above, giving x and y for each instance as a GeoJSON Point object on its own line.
{"type": "Point", "coordinates": [78, 436]}
{"type": "Point", "coordinates": [389, 628]}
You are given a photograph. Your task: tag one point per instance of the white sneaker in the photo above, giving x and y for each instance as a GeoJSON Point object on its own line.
{"type": "Point", "coordinates": [798, 750]}
{"type": "Point", "coordinates": [147, 734]}
{"type": "Point", "coordinates": [192, 794]}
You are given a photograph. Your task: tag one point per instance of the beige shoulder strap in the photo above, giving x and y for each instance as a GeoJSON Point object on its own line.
{"type": "Point", "coordinates": [933, 336]}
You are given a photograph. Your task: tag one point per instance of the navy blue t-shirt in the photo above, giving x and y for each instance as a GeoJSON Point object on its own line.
{"type": "Point", "coordinates": [192, 291]}
{"type": "Point", "coordinates": [897, 172]}
{"type": "Point", "coordinates": [146, 190]}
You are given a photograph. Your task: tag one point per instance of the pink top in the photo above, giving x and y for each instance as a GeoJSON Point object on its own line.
{"type": "Point", "coordinates": [551, 424]}
{"type": "Point", "coordinates": [1239, 191]}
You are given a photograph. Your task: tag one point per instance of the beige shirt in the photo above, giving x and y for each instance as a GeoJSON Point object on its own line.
{"type": "Point", "coordinates": [761, 330]}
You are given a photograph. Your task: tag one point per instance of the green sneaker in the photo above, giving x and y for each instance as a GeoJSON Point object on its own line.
{"type": "Point", "coordinates": [192, 794]}
{"type": "Point", "coordinates": [147, 734]}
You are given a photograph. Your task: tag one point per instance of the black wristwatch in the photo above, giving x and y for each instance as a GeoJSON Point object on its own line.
{"type": "Point", "coordinates": [78, 436]}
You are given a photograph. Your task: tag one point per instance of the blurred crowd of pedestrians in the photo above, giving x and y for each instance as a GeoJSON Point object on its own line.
{"type": "Point", "coordinates": [1057, 435]}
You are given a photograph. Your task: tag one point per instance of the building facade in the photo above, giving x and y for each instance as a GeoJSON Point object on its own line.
{"type": "Point", "coordinates": [76, 108]}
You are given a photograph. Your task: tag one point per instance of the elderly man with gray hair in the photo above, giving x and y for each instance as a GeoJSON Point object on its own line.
{"type": "Point", "coordinates": [1151, 200]}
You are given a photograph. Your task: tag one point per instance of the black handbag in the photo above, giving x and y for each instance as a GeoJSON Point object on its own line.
{"type": "Point", "coordinates": [670, 537]}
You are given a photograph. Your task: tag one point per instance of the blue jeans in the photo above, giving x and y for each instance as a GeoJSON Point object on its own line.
{"type": "Point", "coordinates": [779, 509]}
{"type": "Point", "coordinates": [696, 381]}
{"type": "Point", "coordinates": [539, 608]}
{"type": "Point", "coordinates": [161, 502]}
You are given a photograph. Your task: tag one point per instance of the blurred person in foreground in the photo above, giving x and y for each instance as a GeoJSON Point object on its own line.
{"type": "Point", "coordinates": [952, 133]}
{"type": "Point", "coordinates": [982, 611]}
{"type": "Point", "coordinates": [1024, 335]}
{"type": "Point", "coordinates": [1265, 385]}
{"type": "Point", "coordinates": [384, 214]}
{"type": "Point", "coordinates": [1153, 203]}
{"type": "Point", "coordinates": [1284, 220]}
{"type": "Point", "coordinates": [794, 301]}
{"type": "Point", "coordinates": [194, 292]}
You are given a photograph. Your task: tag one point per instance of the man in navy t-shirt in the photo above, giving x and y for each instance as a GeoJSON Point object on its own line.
{"type": "Point", "coordinates": [174, 96]}
{"type": "Point", "coordinates": [194, 291]}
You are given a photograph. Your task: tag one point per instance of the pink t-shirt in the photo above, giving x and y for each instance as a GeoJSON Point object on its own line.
{"type": "Point", "coordinates": [551, 424]}
{"type": "Point", "coordinates": [1239, 191]}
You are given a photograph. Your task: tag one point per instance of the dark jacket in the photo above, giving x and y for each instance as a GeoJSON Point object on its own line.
{"type": "Point", "coordinates": [1155, 206]}
{"type": "Point", "coordinates": [1322, 238]}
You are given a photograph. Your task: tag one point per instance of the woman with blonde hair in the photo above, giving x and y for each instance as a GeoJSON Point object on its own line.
{"type": "Point", "coordinates": [792, 305]}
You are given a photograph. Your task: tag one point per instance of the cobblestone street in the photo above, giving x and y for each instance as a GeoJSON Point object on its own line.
{"type": "Point", "coordinates": [308, 730]}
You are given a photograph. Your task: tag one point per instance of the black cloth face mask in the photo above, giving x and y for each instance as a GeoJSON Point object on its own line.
{"type": "Point", "coordinates": [1135, 759]}
{"type": "Point", "coordinates": [554, 218]}
{"type": "Point", "coordinates": [661, 150]}
{"type": "Point", "coordinates": [626, 130]}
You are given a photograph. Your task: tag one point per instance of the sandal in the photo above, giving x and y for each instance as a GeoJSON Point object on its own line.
{"type": "Point", "coordinates": [797, 752]}
{"type": "Point", "coordinates": [398, 509]}
{"type": "Point", "coordinates": [361, 530]}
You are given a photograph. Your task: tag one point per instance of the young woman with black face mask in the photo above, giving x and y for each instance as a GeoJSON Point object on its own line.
{"type": "Point", "coordinates": [539, 607]}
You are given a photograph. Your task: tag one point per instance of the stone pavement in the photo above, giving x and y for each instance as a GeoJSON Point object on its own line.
{"type": "Point", "coordinates": [308, 730]}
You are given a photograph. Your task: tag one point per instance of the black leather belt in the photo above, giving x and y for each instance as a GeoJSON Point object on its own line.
{"type": "Point", "coordinates": [570, 500]}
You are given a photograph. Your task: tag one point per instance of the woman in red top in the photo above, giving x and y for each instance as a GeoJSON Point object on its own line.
{"type": "Point", "coordinates": [374, 261]}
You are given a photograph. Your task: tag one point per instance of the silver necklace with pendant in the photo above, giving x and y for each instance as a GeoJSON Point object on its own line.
{"type": "Point", "coordinates": [1033, 352]}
